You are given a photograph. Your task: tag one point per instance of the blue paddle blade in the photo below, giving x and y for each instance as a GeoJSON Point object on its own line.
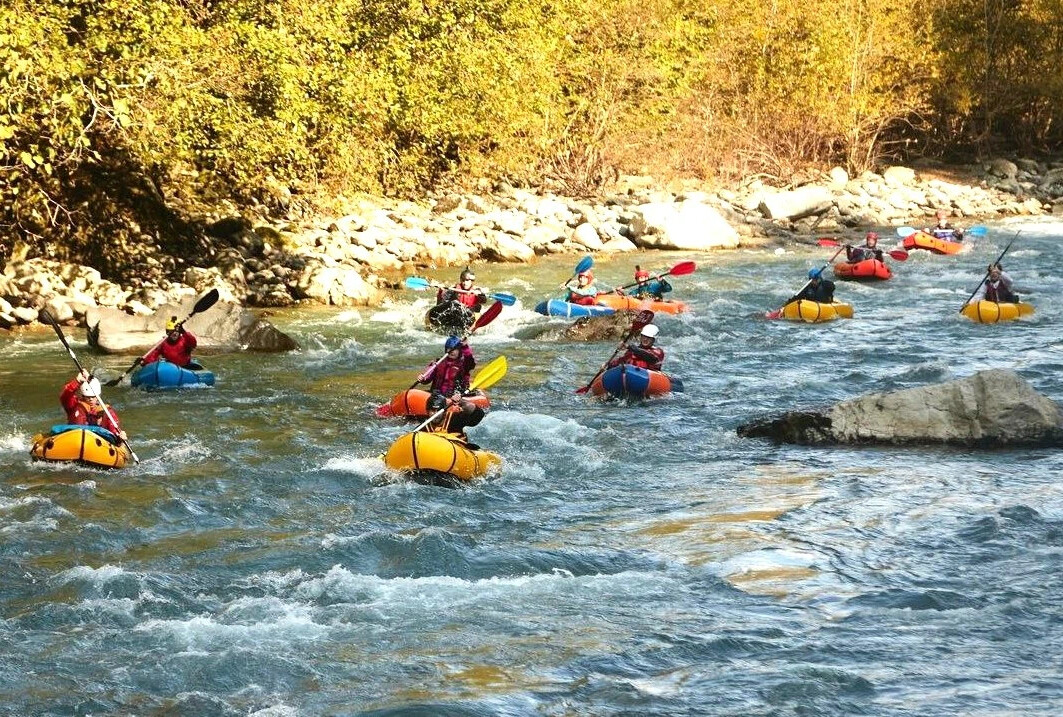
{"type": "Point", "coordinates": [977, 231]}
{"type": "Point", "coordinates": [903, 232]}
{"type": "Point", "coordinates": [417, 283]}
{"type": "Point", "coordinates": [506, 299]}
{"type": "Point", "coordinates": [585, 263]}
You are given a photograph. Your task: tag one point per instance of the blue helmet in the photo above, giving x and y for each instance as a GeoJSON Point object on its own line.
{"type": "Point", "coordinates": [452, 343]}
{"type": "Point", "coordinates": [815, 273]}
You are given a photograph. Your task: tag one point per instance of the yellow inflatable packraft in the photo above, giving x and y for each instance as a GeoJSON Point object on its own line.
{"type": "Point", "coordinates": [814, 312]}
{"type": "Point", "coordinates": [79, 445]}
{"type": "Point", "coordinates": [991, 312]}
{"type": "Point", "coordinates": [439, 452]}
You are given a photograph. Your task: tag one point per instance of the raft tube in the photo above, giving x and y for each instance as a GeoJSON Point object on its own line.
{"type": "Point", "coordinates": [414, 403]}
{"type": "Point", "coordinates": [161, 375]}
{"type": "Point", "coordinates": [452, 318]}
{"type": "Point", "coordinates": [622, 302]}
{"type": "Point", "coordinates": [556, 307]}
{"type": "Point", "coordinates": [991, 312]}
{"type": "Point", "coordinates": [626, 381]}
{"type": "Point", "coordinates": [922, 240]}
{"type": "Point", "coordinates": [432, 455]}
{"type": "Point", "coordinates": [87, 445]}
{"type": "Point", "coordinates": [867, 270]}
{"type": "Point", "coordinates": [814, 312]}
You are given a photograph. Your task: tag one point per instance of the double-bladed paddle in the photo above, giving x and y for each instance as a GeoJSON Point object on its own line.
{"type": "Point", "coordinates": [898, 254]}
{"type": "Point", "coordinates": [49, 319]}
{"type": "Point", "coordinates": [487, 377]}
{"type": "Point", "coordinates": [641, 319]}
{"type": "Point", "coordinates": [418, 284]}
{"type": "Point", "coordinates": [205, 302]}
{"type": "Point", "coordinates": [975, 231]}
{"type": "Point", "coordinates": [987, 270]}
{"type": "Point", "coordinates": [489, 315]}
{"type": "Point", "coordinates": [778, 312]}
{"type": "Point", "coordinates": [681, 269]}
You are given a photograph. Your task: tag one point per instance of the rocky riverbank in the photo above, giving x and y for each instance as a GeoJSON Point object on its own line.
{"type": "Point", "coordinates": [349, 260]}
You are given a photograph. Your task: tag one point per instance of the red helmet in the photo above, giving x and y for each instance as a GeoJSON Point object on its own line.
{"type": "Point", "coordinates": [871, 235]}
{"type": "Point", "coordinates": [641, 274]}
{"type": "Point", "coordinates": [588, 274]}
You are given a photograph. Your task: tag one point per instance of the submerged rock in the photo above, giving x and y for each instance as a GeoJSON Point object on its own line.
{"type": "Point", "coordinates": [223, 327]}
{"type": "Point", "coordinates": [990, 409]}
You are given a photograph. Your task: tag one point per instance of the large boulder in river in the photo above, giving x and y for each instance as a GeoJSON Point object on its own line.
{"type": "Point", "coordinates": [688, 225]}
{"type": "Point", "coordinates": [797, 204]}
{"type": "Point", "coordinates": [223, 327]}
{"type": "Point", "coordinates": [990, 409]}
{"type": "Point", "coordinates": [611, 327]}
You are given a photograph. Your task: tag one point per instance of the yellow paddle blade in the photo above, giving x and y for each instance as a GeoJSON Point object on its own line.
{"type": "Point", "coordinates": [490, 374]}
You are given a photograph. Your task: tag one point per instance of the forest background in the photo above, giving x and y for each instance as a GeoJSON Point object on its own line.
{"type": "Point", "coordinates": [119, 117]}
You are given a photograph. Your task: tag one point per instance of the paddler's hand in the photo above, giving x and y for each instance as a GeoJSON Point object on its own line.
{"type": "Point", "coordinates": [83, 376]}
{"type": "Point", "coordinates": [123, 436]}
{"type": "Point", "coordinates": [455, 398]}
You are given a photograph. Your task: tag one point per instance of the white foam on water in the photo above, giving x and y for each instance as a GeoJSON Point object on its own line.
{"type": "Point", "coordinates": [96, 577]}
{"type": "Point", "coordinates": [47, 525]}
{"type": "Point", "coordinates": [365, 466]}
{"type": "Point", "coordinates": [279, 710]}
{"type": "Point", "coordinates": [248, 622]}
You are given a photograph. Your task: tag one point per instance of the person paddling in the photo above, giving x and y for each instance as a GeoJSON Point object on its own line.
{"type": "Point", "coordinates": [450, 376]}
{"type": "Point", "coordinates": [655, 289]}
{"type": "Point", "coordinates": [944, 230]}
{"type": "Point", "coordinates": [817, 289]}
{"type": "Point", "coordinates": [459, 415]}
{"type": "Point", "coordinates": [177, 348]}
{"type": "Point", "coordinates": [644, 354]}
{"type": "Point", "coordinates": [997, 287]}
{"type": "Point", "coordinates": [869, 250]}
{"type": "Point", "coordinates": [80, 399]}
{"type": "Point", "coordinates": [470, 296]}
{"type": "Point", "coordinates": [584, 292]}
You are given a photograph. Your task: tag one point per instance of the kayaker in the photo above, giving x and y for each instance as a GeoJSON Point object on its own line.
{"type": "Point", "coordinates": [869, 250]}
{"type": "Point", "coordinates": [80, 399]}
{"type": "Point", "coordinates": [450, 376]}
{"type": "Point", "coordinates": [944, 230]}
{"type": "Point", "coordinates": [459, 415]}
{"type": "Point", "coordinates": [643, 354]}
{"type": "Point", "coordinates": [646, 288]}
{"type": "Point", "coordinates": [470, 295]}
{"type": "Point", "coordinates": [177, 348]}
{"type": "Point", "coordinates": [584, 292]}
{"type": "Point", "coordinates": [817, 288]}
{"type": "Point", "coordinates": [997, 287]}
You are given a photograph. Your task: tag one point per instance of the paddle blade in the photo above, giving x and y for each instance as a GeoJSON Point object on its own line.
{"type": "Point", "coordinates": [641, 319]}
{"type": "Point", "coordinates": [417, 283]}
{"type": "Point", "coordinates": [490, 374]}
{"type": "Point", "coordinates": [585, 263]}
{"type": "Point", "coordinates": [489, 315]}
{"type": "Point", "coordinates": [828, 242]}
{"type": "Point", "coordinates": [903, 232]}
{"type": "Point", "coordinates": [384, 411]}
{"type": "Point", "coordinates": [683, 268]}
{"type": "Point", "coordinates": [899, 254]}
{"type": "Point", "coordinates": [205, 302]}
{"type": "Point", "coordinates": [506, 299]}
{"type": "Point", "coordinates": [777, 314]}
{"type": "Point", "coordinates": [977, 231]}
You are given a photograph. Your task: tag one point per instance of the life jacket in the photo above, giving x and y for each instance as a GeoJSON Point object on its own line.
{"type": "Point", "coordinates": [452, 375]}
{"type": "Point", "coordinates": [178, 352]}
{"type": "Point", "coordinates": [632, 358]}
{"type": "Point", "coordinates": [945, 233]}
{"type": "Point", "coordinates": [863, 253]}
{"type": "Point", "coordinates": [82, 413]}
{"type": "Point", "coordinates": [582, 296]}
{"type": "Point", "coordinates": [999, 293]}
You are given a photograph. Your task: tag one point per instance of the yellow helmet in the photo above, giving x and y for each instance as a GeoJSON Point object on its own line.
{"type": "Point", "coordinates": [171, 324]}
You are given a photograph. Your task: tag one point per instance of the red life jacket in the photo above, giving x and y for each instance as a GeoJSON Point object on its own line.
{"type": "Point", "coordinates": [82, 413]}
{"type": "Point", "coordinates": [179, 352]}
{"type": "Point", "coordinates": [473, 301]}
{"type": "Point", "coordinates": [452, 375]}
{"type": "Point", "coordinates": [633, 358]}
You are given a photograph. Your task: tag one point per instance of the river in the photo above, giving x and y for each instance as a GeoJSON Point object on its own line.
{"type": "Point", "coordinates": [627, 559]}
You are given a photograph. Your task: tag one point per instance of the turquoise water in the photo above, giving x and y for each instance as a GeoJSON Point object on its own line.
{"type": "Point", "coordinates": [627, 559]}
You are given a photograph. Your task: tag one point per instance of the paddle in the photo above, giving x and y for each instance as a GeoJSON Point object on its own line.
{"type": "Point", "coordinates": [49, 319]}
{"type": "Point", "coordinates": [487, 377]}
{"type": "Point", "coordinates": [205, 302]}
{"type": "Point", "coordinates": [778, 312]}
{"type": "Point", "coordinates": [484, 319]}
{"type": "Point", "coordinates": [975, 231]}
{"type": "Point", "coordinates": [987, 271]}
{"type": "Point", "coordinates": [418, 284]}
{"type": "Point", "coordinates": [681, 269]}
{"type": "Point", "coordinates": [641, 319]}
{"type": "Point", "coordinates": [898, 254]}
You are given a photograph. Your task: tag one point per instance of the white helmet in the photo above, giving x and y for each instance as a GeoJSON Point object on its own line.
{"type": "Point", "coordinates": [90, 388]}
{"type": "Point", "coordinates": [650, 331]}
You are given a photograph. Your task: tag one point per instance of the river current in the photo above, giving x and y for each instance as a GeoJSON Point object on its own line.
{"type": "Point", "coordinates": [627, 559]}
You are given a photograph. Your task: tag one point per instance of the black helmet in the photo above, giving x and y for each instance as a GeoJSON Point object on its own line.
{"type": "Point", "coordinates": [437, 402]}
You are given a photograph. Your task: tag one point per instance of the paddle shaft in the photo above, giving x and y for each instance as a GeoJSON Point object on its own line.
{"type": "Point", "coordinates": [639, 322]}
{"type": "Point", "coordinates": [670, 272]}
{"type": "Point", "coordinates": [987, 270]}
{"type": "Point", "coordinates": [81, 369]}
